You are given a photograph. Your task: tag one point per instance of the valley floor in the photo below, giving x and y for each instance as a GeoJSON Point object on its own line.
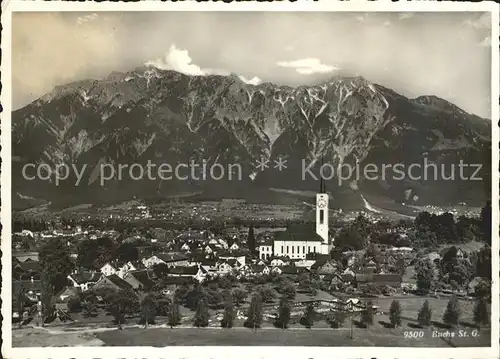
{"type": "Point", "coordinates": [160, 336]}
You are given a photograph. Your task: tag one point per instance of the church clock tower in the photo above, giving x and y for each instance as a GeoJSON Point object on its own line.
{"type": "Point", "coordinates": [322, 217]}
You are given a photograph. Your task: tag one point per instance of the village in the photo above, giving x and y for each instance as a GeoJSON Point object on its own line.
{"type": "Point", "coordinates": [238, 277]}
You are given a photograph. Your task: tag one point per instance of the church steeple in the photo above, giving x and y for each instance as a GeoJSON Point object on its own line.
{"type": "Point", "coordinates": [322, 186]}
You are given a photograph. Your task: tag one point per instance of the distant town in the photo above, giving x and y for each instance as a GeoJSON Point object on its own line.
{"type": "Point", "coordinates": [133, 266]}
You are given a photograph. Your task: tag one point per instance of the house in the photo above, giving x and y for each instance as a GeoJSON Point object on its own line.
{"type": "Point", "coordinates": [26, 270]}
{"type": "Point", "coordinates": [25, 256]}
{"type": "Point", "coordinates": [139, 279]}
{"type": "Point", "coordinates": [170, 259]}
{"type": "Point", "coordinates": [224, 244]}
{"type": "Point", "coordinates": [127, 267]}
{"type": "Point", "coordinates": [305, 263]}
{"type": "Point", "coordinates": [226, 267]}
{"type": "Point", "coordinates": [380, 280]}
{"type": "Point", "coordinates": [324, 267]}
{"type": "Point", "coordinates": [170, 284]}
{"type": "Point", "coordinates": [259, 269]}
{"type": "Point", "coordinates": [84, 280]}
{"type": "Point", "coordinates": [287, 270]}
{"type": "Point", "coordinates": [266, 249]}
{"type": "Point", "coordinates": [473, 285]}
{"type": "Point", "coordinates": [108, 269]}
{"type": "Point", "coordinates": [67, 293]}
{"type": "Point", "coordinates": [31, 289]}
{"type": "Point", "coordinates": [234, 247]}
{"type": "Point", "coordinates": [113, 282]}
{"type": "Point", "coordinates": [210, 249]}
{"type": "Point", "coordinates": [277, 262]}
{"type": "Point", "coordinates": [433, 257]}
{"type": "Point", "coordinates": [448, 251]}
{"type": "Point", "coordinates": [336, 282]}
{"type": "Point", "coordinates": [198, 273]}
{"type": "Point", "coordinates": [185, 247]}
{"type": "Point", "coordinates": [238, 257]}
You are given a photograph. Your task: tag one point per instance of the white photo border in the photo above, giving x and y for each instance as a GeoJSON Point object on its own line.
{"type": "Point", "coordinates": [9, 7]}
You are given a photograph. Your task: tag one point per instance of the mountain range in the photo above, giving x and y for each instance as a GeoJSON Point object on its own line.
{"type": "Point", "coordinates": [164, 116]}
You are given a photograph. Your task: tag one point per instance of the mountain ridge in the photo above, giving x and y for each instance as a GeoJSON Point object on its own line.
{"type": "Point", "coordinates": [153, 114]}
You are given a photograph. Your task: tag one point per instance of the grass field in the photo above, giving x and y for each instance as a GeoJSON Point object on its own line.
{"type": "Point", "coordinates": [373, 336]}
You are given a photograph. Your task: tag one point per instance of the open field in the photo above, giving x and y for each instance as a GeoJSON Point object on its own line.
{"type": "Point", "coordinates": [376, 336]}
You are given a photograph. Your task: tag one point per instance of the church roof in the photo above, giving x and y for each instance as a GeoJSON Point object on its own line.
{"type": "Point", "coordinates": [299, 232]}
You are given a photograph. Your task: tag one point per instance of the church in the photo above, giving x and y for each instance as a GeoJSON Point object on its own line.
{"type": "Point", "coordinates": [301, 239]}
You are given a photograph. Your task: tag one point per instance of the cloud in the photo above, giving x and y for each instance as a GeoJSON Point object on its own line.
{"type": "Point", "coordinates": [63, 51]}
{"type": "Point", "coordinates": [290, 48]}
{"type": "Point", "coordinates": [387, 23]}
{"type": "Point", "coordinates": [308, 66]}
{"type": "Point", "coordinates": [406, 15]}
{"type": "Point", "coordinates": [482, 21]}
{"type": "Point", "coordinates": [86, 18]}
{"type": "Point", "coordinates": [361, 17]}
{"type": "Point", "coordinates": [179, 60]}
{"type": "Point", "coordinates": [486, 42]}
{"type": "Point", "coordinates": [253, 81]}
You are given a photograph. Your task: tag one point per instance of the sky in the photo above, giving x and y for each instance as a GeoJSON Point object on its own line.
{"type": "Point", "coordinates": [442, 54]}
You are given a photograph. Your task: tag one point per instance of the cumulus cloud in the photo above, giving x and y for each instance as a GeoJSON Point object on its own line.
{"type": "Point", "coordinates": [405, 15]}
{"type": "Point", "coordinates": [479, 22]}
{"type": "Point", "coordinates": [308, 66]}
{"type": "Point", "coordinates": [486, 42]}
{"type": "Point", "coordinates": [253, 81]}
{"type": "Point", "coordinates": [179, 60]}
{"type": "Point", "coordinates": [86, 18]}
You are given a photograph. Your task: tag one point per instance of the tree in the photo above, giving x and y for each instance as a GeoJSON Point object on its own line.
{"type": "Point", "coordinates": [287, 288]}
{"type": "Point", "coordinates": [486, 223]}
{"type": "Point", "coordinates": [267, 294]}
{"type": "Point", "coordinates": [229, 313]}
{"type": "Point", "coordinates": [308, 318]}
{"type": "Point", "coordinates": [181, 293]}
{"type": "Point", "coordinates": [201, 316]}
{"type": "Point", "coordinates": [350, 238]}
{"type": "Point", "coordinates": [239, 296]}
{"type": "Point", "coordinates": [148, 310]}
{"type": "Point", "coordinates": [174, 315]}
{"type": "Point", "coordinates": [452, 313]}
{"type": "Point", "coordinates": [425, 314]}
{"type": "Point", "coordinates": [193, 295]}
{"type": "Point", "coordinates": [284, 313]}
{"type": "Point", "coordinates": [225, 283]}
{"type": "Point", "coordinates": [338, 318]}
{"type": "Point", "coordinates": [254, 316]}
{"type": "Point", "coordinates": [425, 275]}
{"type": "Point", "coordinates": [395, 313]}
{"type": "Point", "coordinates": [160, 270]}
{"type": "Point", "coordinates": [424, 220]}
{"type": "Point", "coordinates": [74, 305]}
{"type": "Point", "coordinates": [481, 314]}
{"type": "Point", "coordinates": [483, 263]}
{"type": "Point", "coordinates": [251, 240]}
{"type": "Point", "coordinates": [367, 314]}
{"type": "Point", "coordinates": [121, 303]}
{"type": "Point", "coordinates": [56, 264]}
{"type": "Point", "coordinates": [127, 252]}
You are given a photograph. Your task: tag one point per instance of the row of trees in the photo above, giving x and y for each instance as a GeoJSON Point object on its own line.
{"type": "Point", "coordinates": [455, 272]}
{"type": "Point", "coordinates": [426, 231]}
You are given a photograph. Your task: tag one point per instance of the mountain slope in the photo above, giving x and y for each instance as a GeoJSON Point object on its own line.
{"type": "Point", "coordinates": [154, 116]}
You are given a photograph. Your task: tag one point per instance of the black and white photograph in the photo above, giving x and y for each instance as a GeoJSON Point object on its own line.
{"type": "Point", "coordinates": [196, 175]}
